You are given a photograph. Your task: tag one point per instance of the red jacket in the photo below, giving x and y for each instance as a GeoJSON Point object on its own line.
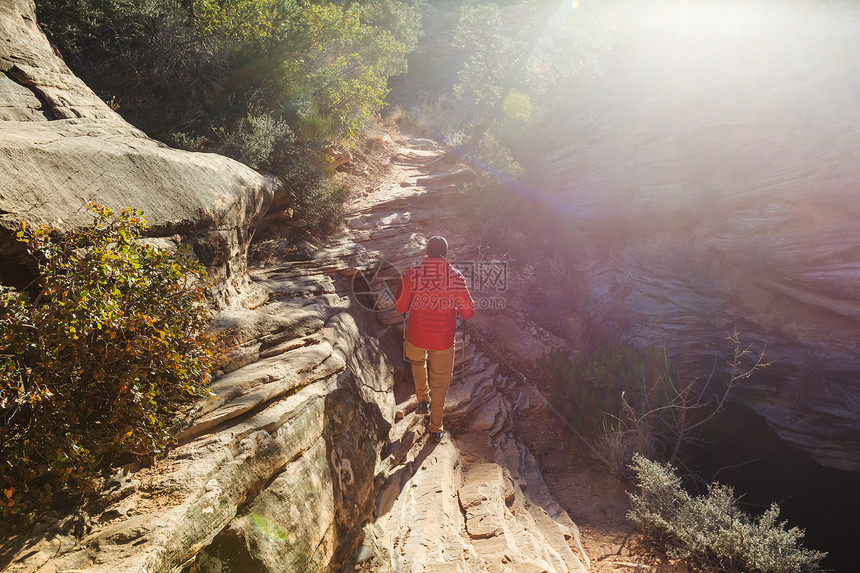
{"type": "Point", "coordinates": [433, 293]}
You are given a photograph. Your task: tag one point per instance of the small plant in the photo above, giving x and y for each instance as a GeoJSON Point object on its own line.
{"type": "Point", "coordinates": [320, 208]}
{"type": "Point", "coordinates": [254, 139]}
{"type": "Point", "coordinates": [94, 359]}
{"type": "Point", "coordinates": [591, 384]}
{"type": "Point", "coordinates": [624, 401]}
{"type": "Point", "coordinates": [710, 532]}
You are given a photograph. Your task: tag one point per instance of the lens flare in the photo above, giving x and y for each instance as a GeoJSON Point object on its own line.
{"type": "Point", "coordinates": [270, 528]}
{"type": "Point", "coordinates": [574, 4]}
{"type": "Point", "coordinates": [517, 106]}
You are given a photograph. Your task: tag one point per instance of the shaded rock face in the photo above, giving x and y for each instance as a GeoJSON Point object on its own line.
{"type": "Point", "coordinates": [61, 146]}
{"type": "Point", "coordinates": [709, 180]}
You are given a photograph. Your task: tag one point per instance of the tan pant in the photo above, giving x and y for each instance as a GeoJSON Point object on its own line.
{"type": "Point", "coordinates": [435, 366]}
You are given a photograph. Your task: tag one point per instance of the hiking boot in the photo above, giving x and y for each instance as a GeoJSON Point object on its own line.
{"type": "Point", "coordinates": [423, 407]}
{"type": "Point", "coordinates": [436, 437]}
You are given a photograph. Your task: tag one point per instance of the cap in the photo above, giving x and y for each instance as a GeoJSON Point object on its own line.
{"type": "Point", "coordinates": [437, 247]}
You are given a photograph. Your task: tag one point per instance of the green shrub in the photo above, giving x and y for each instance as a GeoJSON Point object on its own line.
{"type": "Point", "coordinates": [254, 139]}
{"type": "Point", "coordinates": [589, 385]}
{"type": "Point", "coordinates": [595, 391]}
{"type": "Point", "coordinates": [94, 362]}
{"type": "Point", "coordinates": [319, 208]}
{"type": "Point", "coordinates": [710, 532]}
{"type": "Point", "coordinates": [244, 21]}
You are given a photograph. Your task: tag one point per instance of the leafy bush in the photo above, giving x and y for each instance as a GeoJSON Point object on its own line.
{"type": "Point", "coordinates": [320, 207]}
{"type": "Point", "coordinates": [246, 21]}
{"type": "Point", "coordinates": [272, 83]}
{"type": "Point", "coordinates": [710, 532]}
{"type": "Point", "coordinates": [92, 366]}
{"type": "Point", "coordinates": [588, 385]}
{"type": "Point", "coordinates": [255, 139]}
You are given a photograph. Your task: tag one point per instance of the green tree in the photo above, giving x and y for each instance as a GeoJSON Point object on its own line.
{"type": "Point", "coordinates": [347, 63]}
{"type": "Point", "coordinates": [512, 63]}
{"type": "Point", "coordinates": [240, 21]}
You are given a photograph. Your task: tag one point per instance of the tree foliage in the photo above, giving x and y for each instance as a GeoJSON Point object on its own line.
{"type": "Point", "coordinates": [513, 61]}
{"type": "Point", "coordinates": [240, 21]}
{"type": "Point", "coordinates": [272, 83]}
{"type": "Point", "coordinates": [93, 363]}
{"type": "Point", "coordinates": [346, 62]}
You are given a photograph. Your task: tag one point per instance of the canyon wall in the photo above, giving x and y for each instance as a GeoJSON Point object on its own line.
{"type": "Point", "coordinates": [709, 180]}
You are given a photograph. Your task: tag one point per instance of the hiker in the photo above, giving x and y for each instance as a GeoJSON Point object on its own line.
{"type": "Point", "coordinates": [433, 292]}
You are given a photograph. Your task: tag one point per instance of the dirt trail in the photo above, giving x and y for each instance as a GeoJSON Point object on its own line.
{"type": "Point", "coordinates": [281, 467]}
{"type": "Point", "coordinates": [399, 198]}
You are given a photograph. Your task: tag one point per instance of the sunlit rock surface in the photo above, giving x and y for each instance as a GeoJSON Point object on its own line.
{"type": "Point", "coordinates": [710, 178]}
{"type": "Point", "coordinates": [61, 146]}
{"type": "Point", "coordinates": [309, 454]}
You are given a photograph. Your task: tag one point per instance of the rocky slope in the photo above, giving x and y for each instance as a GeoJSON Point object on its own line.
{"type": "Point", "coordinates": [302, 459]}
{"type": "Point", "coordinates": [710, 178]}
{"type": "Point", "coordinates": [310, 455]}
{"type": "Point", "coordinates": [61, 147]}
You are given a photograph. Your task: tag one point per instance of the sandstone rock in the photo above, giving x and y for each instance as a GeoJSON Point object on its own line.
{"type": "Point", "coordinates": [246, 388]}
{"type": "Point", "coordinates": [296, 462]}
{"type": "Point", "coordinates": [338, 157]}
{"type": "Point", "coordinates": [307, 512]}
{"type": "Point", "coordinates": [61, 146]}
{"type": "Point", "coordinates": [247, 335]}
{"type": "Point", "coordinates": [27, 60]}
{"type": "Point", "coordinates": [288, 527]}
{"type": "Point", "coordinates": [505, 521]}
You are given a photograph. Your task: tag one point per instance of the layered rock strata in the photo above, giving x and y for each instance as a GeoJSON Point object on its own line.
{"type": "Point", "coordinates": [304, 459]}
{"type": "Point", "coordinates": [62, 147]}
{"type": "Point", "coordinates": [708, 180]}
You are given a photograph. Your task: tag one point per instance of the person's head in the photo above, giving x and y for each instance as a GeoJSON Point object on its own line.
{"type": "Point", "coordinates": [437, 247]}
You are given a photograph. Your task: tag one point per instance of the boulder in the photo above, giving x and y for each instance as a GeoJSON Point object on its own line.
{"type": "Point", "coordinates": [62, 147]}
